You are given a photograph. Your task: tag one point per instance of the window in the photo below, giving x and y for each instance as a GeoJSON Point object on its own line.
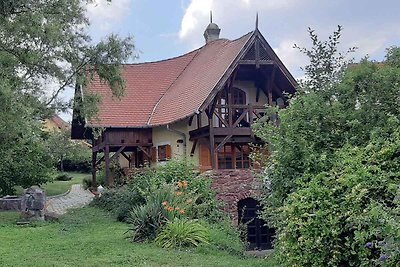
{"type": "Point", "coordinates": [234, 156]}
{"type": "Point", "coordinates": [238, 97]}
{"type": "Point", "coordinates": [161, 153]}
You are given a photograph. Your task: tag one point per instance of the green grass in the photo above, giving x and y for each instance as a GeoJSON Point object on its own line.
{"type": "Point", "coordinates": [60, 187]}
{"type": "Point", "coordinates": [8, 217]}
{"type": "Point", "coordinates": [90, 237]}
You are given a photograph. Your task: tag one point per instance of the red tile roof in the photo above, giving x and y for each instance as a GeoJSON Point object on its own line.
{"type": "Point", "coordinates": [59, 122]}
{"type": "Point", "coordinates": [158, 93]}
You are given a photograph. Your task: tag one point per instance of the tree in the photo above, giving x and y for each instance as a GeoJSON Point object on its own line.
{"type": "Point", "coordinates": [61, 148]}
{"type": "Point", "coordinates": [328, 182]}
{"type": "Point", "coordinates": [42, 42]}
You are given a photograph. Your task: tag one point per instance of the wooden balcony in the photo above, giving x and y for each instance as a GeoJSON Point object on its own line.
{"type": "Point", "coordinates": [231, 120]}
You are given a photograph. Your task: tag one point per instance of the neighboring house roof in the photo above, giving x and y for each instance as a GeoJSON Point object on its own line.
{"type": "Point", "coordinates": [55, 122]}
{"type": "Point", "coordinates": [163, 92]}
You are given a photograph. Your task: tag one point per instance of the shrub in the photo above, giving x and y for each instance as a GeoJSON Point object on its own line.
{"type": "Point", "coordinates": [146, 220]}
{"type": "Point", "coordinates": [181, 233]}
{"type": "Point", "coordinates": [119, 201]}
{"type": "Point", "coordinates": [348, 216]}
{"type": "Point", "coordinates": [223, 237]}
{"type": "Point", "coordinates": [64, 177]}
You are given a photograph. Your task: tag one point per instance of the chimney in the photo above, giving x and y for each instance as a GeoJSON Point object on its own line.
{"type": "Point", "coordinates": [212, 31]}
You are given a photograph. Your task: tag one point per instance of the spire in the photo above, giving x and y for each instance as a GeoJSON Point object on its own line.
{"type": "Point", "coordinates": [212, 31]}
{"type": "Point", "coordinates": [257, 21]}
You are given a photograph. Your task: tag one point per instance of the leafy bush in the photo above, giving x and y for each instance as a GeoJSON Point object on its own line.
{"type": "Point", "coordinates": [198, 189]}
{"type": "Point", "coordinates": [146, 220]}
{"type": "Point", "coordinates": [223, 237]}
{"type": "Point", "coordinates": [64, 177]}
{"type": "Point", "coordinates": [332, 180]}
{"type": "Point", "coordinates": [180, 233]}
{"type": "Point", "coordinates": [346, 216]}
{"type": "Point", "coordinates": [119, 201]}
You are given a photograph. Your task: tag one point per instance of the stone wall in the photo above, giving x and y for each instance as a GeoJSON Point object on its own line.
{"type": "Point", "coordinates": [234, 185]}
{"type": "Point", "coordinates": [10, 203]}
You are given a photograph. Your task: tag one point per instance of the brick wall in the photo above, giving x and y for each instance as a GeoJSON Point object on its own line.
{"type": "Point", "coordinates": [234, 185]}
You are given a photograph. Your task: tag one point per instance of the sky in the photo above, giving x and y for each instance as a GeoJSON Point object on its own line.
{"type": "Point", "coordinates": [167, 28]}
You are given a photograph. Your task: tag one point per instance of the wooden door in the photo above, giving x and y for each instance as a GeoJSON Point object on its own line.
{"type": "Point", "coordinates": [204, 158]}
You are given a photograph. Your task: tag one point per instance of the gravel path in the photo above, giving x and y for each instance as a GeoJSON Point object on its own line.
{"type": "Point", "coordinates": [76, 197]}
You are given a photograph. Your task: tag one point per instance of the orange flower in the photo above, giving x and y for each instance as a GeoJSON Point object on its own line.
{"type": "Point", "coordinates": [178, 193]}
{"type": "Point", "coordinates": [181, 211]}
{"type": "Point", "coordinates": [170, 208]}
{"type": "Point", "coordinates": [165, 203]}
{"type": "Point", "coordinates": [177, 208]}
{"type": "Point", "coordinates": [185, 183]}
{"type": "Point", "coordinates": [189, 200]}
{"type": "Point", "coordinates": [180, 184]}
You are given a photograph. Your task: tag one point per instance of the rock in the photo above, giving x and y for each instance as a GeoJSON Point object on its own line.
{"type": "Point", "coordinates": [33, 203]}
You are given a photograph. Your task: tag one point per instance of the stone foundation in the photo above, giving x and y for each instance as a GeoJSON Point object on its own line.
{"type": "Point", "coordinates": [234, 185]}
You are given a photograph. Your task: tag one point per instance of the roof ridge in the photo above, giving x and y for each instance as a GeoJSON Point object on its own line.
{"type": "Point", "coordinates": [169, 87]}
{"type": "Point", "coordinates": [162, 60]}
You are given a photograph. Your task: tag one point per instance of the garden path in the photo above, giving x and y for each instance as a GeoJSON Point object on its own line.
{"type": "Point", "coordinates": [75, 198]}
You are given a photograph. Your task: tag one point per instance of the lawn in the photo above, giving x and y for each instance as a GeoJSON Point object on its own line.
{"type": "Point", "coordinates": [90, 237]}
{"type": "Point", "coordinates": [60, 187]}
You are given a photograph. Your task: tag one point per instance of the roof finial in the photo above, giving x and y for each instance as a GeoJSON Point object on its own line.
{"type": "Point", "coordinates": [211, 16]}
{"type": "Point", "coordinates": [257, 21]}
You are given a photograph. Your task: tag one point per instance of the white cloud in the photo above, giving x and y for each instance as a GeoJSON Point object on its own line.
{"type": "Point", "coordinates": [285, 22]}
{"type": "Point", "coordinates": [103, 14]}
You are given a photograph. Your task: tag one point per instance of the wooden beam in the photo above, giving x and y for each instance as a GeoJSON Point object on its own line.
{"type": "Point", "coordinates": [117, 153]}
{"type": "Point", "coordinates": [126, 156]}
{"type": "Point", "coordinates": [223, 143]}
{"type": "Point", "coordinates": [191, 120]}
{"type": "Point", "coordinates": [198, 120]}
{"type": "Point", "coordinates": [144, 151]}
{"type": "Point", "coordinates": [269, 85]}
{"type": "Point", "coordinates": [241, 117]}
{"type": "Point", "coordinates": [193, 148]}
{"type": "Point", "coordinates": [212, 143]}
{"type": "Point", "coordinates": [234, 131]}
{"type": "Point", "coordinates": [94, 181]}
{"type": "Point", "coordinates": [254, 62]}
{"type": "Point", "coordinates": [100, 160]}
{"type": "Point", "coordinates": [107, 160]}
{"type": "Point", "coordinates": [221, 119]}
{"type": "Point", "coordinates": [98, 147]}
{"type": "Point", "coordinates": [257, 51]}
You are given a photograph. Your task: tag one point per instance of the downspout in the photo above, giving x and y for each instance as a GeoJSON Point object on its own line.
{"type": "Point", "coordinates": [181, 134]}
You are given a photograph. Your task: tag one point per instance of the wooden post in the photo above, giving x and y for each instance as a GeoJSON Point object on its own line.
{"type": "Point", "coordinates": [212, 141]}
{"type": "Point", "coordinates": [107, 160]}
{"type": "Point", "coordinates": [269, 85]}
{"type": "Point", "coordinates": [94, 181]}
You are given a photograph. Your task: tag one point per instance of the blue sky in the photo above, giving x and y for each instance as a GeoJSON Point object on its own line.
{"type": "Point", "coordinates": [168, 28]}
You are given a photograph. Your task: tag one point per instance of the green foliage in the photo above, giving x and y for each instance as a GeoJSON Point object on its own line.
{"type": "Point", "coordinates": [119, 201]}
{"type": "Point", "coordinates": [204, 203]}
{"type": "Point", "coordinates": [181, 233]}
{"type": "Point", "coordinates": [66, 153]}
{"type": "Point", "coordinates": [331, 221]}
{"type": "Point", "coordinates": [332, 177]}
{"type": "Point", "coordinates": [63, 177]}
{"type": "Point", "coordinates": [223, 237]}
{"type": "Point", "coordinates": [79, 239]}
{"type": "Point", "coordinates": [44, 42]}
{"type": "Point", "coordinates": [146, 220]}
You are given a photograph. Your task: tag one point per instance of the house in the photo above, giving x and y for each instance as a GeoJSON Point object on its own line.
{"type": "Point", "coordinates": [55, 123]}
{"type": "Point", "coordinates": [200, 105]}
